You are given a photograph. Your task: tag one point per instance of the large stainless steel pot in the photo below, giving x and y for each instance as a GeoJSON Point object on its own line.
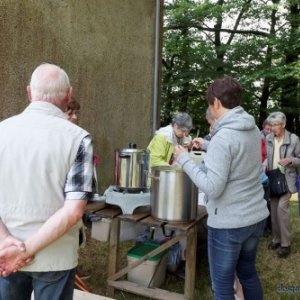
{"type": "Point", "coordinates": [173, 195]}
{"type": "Point", "coordinates": [131, 169]}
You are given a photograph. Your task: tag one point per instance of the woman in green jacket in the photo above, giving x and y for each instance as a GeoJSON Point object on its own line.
{"type": "Point", "coordinates": [162, 144]}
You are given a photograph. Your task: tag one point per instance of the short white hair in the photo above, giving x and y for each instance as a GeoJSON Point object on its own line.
{"type": "Point", "coordinates": [49, 83]}
{"type": "Point", "coordinates": [183, 120]}
{"type": "Point", "coordinates": [277, 116]}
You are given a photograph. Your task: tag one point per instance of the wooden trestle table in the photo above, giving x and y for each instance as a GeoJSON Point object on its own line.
{"type": "Point", "coordinates": [183, 230]}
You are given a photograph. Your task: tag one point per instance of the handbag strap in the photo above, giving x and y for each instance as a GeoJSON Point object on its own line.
{"type": "Point", "coordinates": [285, 151]}
{"type": "Point", "coordinates": [286, 147]}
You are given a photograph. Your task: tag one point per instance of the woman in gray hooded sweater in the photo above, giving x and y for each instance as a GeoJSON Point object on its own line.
{"type": "Point", "coordinates": [235, 204]}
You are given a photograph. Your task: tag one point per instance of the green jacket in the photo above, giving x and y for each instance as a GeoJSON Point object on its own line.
{"type": "Point", "coordinates": [160, 151]}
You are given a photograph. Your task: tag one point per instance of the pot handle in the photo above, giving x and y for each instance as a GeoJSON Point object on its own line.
{"type": "Point", "coordinates": [149, 174]}
{"type": "Point", "coordinates": [124, 156]}
{"type": "Point", "coordinates": [164, 232]}
{"type": "Point", "coordinates": [151, 233]}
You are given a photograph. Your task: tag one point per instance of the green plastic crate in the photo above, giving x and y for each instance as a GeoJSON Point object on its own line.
{"type": "Point", "coordinates": [151, 272]}
{"type": "Point", "coordinates": [142, 249]}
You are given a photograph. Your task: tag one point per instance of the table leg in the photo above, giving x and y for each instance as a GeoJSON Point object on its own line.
{"type": "Point", "coordinates": [190, 264]}
{"type": "Point", "coordinates": [113, 252]}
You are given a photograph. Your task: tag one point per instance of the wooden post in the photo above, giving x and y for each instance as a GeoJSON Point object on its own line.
{"type": "Point", "coordinates": [190, 264]}
{"type": "Point", "coordinates": [113, 251]}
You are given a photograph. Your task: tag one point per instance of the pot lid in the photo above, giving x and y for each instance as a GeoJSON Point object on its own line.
{"type": "Point", "coordinates": [129, 150]}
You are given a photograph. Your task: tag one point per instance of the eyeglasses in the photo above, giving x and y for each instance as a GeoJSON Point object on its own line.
{"type": "Point", "coordinates": [275, 125]}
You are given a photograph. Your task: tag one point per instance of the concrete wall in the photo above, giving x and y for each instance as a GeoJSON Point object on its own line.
{"type": "Point", "coordinates": [106, 47]}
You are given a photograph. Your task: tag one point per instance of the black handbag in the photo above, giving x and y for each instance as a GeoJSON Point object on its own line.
{"type": "Point", "coordinates": [277, 182]}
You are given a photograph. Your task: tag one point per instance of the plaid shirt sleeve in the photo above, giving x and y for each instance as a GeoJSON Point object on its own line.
{"type": "Point", "coordinates": [81, 183]}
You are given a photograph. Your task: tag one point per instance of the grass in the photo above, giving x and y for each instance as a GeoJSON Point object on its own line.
{"type": "Point", "coordinates": [276, 274]}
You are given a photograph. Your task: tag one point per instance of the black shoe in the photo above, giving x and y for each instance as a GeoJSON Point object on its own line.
{"type": "Point", "coordinates": [273, 246]}
{"type": "Point", "coordinates": [284, 251]}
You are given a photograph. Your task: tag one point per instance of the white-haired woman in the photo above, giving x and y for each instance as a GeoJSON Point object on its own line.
{"type": "Point", "coordinates": [162, 144]}
{"type": "Point", "coordinates": [283, 150]}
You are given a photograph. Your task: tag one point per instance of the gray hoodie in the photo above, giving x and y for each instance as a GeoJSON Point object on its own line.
{"type": "Point", "coordinates": [231, 180]}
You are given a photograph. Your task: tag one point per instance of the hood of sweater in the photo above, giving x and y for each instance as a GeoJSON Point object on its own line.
{"type": "Point", "coordinates": [242, 120]}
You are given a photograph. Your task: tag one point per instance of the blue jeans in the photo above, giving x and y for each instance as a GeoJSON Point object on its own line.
{"type": "Point", "coordinates": [57, 285]}
{"type": "Point", "coordinates": [233, 251]}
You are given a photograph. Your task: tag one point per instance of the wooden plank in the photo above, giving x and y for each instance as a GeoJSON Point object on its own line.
{"type": "Point", "coordinates": [113, 251]}
{"type": "Point", "coordinates": [156, 251]}
{"type": "Point", "coordinates": [80, 295]}
{"type": "Point", "coordinates": [94, 206]}
{"type": "Point", "coordinates": [152, 293]}
{"type": "Point", "coordinates": [133, 218]}
{"type": "Point", "coordinates": [111, 212]}
{"type": "Point", "coordinates": [190, 264]}
{"type": "Point", "coordinates": [182, 226]}
{"type": "Point", "coordinates": [150, 221]}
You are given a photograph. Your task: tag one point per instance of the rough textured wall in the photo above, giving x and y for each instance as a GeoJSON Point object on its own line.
{"type": "Point", "coordinates": [106, 47]}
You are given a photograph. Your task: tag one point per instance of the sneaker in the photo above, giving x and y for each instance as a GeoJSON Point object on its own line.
{"type": "Point", "coordinates": [83, 275]}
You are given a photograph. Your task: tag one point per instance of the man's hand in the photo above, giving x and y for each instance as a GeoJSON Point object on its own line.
{"type": "Point", "coordinates": [12, 241]}
{"type": "Point", "coordinates": [13, 259]}
{"type": "Point", "coordinates": [10, 247]}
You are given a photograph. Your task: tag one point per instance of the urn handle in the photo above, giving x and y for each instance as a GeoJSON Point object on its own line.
{"type": "Point", "coordinates": [149, 174]}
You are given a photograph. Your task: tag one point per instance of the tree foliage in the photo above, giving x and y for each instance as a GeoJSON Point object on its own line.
{"type": "Point", "coordinates": [255, 41]}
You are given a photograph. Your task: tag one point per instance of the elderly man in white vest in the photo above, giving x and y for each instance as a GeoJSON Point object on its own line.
{"type": "Point", "coordinates": [46, 179]}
